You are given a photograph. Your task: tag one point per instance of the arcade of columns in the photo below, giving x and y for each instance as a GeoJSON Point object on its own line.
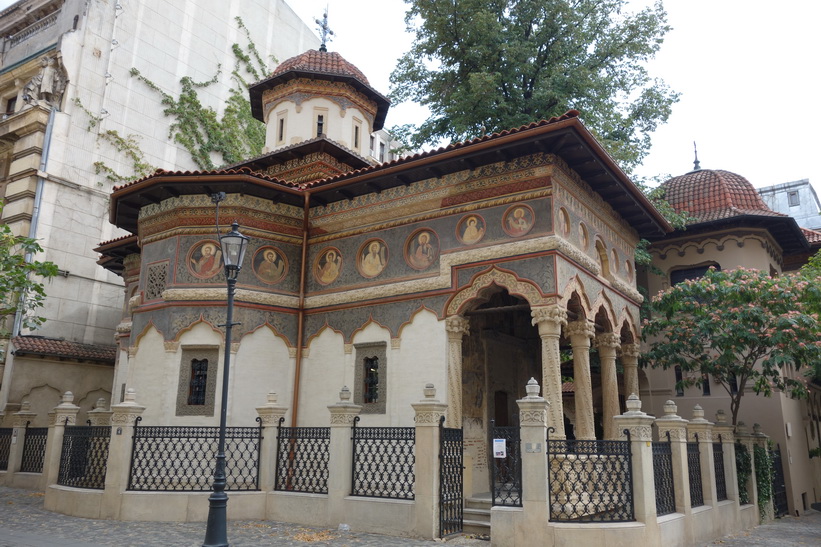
{"type": "Point", "coordinates": [550, 321]}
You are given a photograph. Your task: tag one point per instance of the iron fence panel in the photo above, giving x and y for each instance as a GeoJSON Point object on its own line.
{"type": "Point", "coordinates": [663, 477]}
{"type": "Point", "coordinates": [451, 509]}
{"type": "Point", "coordinates": [303, 454]}
{"type": "Point", "coordinates": [34, 449]}
{"type": "Point", "coordinates": [84, 456]}
{"type": "Point", "coordinates": [507, 470]}
{"type": "Point", "coordinates": [383, 461]}
{"type": "Point", "coordinates": [694, 474]}
{"type": "Point", "coordinates": [5, 447]}
{"type": "Point", "coordinates": [780, 506]}
{"type": "Point", "coordinates": [718, 462]}
{"type": "Point", "coordinates": [182, 458]}
{"type": "Point", "coordinates": [590, 480]}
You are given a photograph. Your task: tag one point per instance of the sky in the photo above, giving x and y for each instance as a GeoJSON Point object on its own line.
{"type": "Point", "coordinates": [747, 72]}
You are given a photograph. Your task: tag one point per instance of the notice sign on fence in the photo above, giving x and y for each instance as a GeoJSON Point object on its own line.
{"type": "Point", "coordinates": [499, 448]}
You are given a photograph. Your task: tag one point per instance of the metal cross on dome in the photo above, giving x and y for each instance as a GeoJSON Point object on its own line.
{"type": "Point", "coordinates": [325, 31]}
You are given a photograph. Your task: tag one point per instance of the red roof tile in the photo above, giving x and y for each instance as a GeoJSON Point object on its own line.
{"type": "Point", "coordinates": [53, 347]}
{"type": "Point", "coordinates": [322, 62]}
{"type": "Point", "coordinates": [813, 236]}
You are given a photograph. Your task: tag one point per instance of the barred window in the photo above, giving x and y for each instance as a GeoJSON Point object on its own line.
{"type": "Point", "coordinates": [371, 374]}
{"type": "Point", "coordinates": [679, 378]}
{"type": "Point", "coordinates": [705, 383]}
{"type": "Point", "coordinates": [199, 379]}
{"type": "Point", "coordinates": [371, 377]}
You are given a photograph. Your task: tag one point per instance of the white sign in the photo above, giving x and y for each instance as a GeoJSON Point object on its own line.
{"type": "Point", "coordinates": [499, 448]}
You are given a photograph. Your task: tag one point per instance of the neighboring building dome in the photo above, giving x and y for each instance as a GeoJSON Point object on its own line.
{"type": "Point", "coordinates": [712, 194]}
{"type": "Point", "coordinates": [320, 62]}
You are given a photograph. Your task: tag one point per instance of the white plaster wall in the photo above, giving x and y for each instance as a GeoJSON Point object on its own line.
{"type": "Point", "coordinates": [154, 378]}
{"type": "Point", "coordinates": [322, 376]}
{"type": "Point", "coordinates": [261, 365]}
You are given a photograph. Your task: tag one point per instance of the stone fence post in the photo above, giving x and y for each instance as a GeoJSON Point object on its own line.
{"type": "Point", "coordinates": [271, 415]}
{"type": "Point", "coordinates": [428, 412]}
{"type": "Point", "coordinates": [699, 429]}
{"type": "Point", "coordinates": [340, 473]}
{"type": "Point", "coordinates": [676, 426]}
{"type": "Point", "coordinates": [639, 425]}
{"type": "Point", "coordinates": [63, 414]}
{"type": "Point", "coordinates": [20, 420]}
{"type": "Point", "coordinates": [533, 431]}
{"type": "Point", "coordinates": [123, 420]}
{"type": "Point", "coordinates": [100, 416]}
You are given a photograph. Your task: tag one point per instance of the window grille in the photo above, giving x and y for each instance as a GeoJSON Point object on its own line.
{"type": "Point", "coordinates": [199, 379]}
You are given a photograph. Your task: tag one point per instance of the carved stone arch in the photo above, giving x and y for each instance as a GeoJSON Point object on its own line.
{"type": "Point", "coordinates": [318, 333]}
{"type": "Point", "coordinates": [605, 311]}
{"type": "Point", "coordinates": [193, 324]}
{"type": "Point", "coordinates": [604, 260]}
{"type": "Point", "coordinates": [410, 320]}
{"type": "Point", "coordinates": [628, 331]}
{"type": "Point", "coordinates": [468, 296]}
{"type": "Point", "coordinates": [574, 292]}
{"type": "Point", "coordinates": [143, 333]}
{"type": "Point", "coordinates": [366, 324]}
{"type": "Point", "coordinates": [274, 331]}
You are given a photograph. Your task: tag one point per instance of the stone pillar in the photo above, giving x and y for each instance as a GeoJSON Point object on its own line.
{"type": "Point", "coordinates": [550, 321]}
{"type": "Point", "coordinates": [271, 416]}
{"type": "Point", "coordinates": [724, 432]}
{"type": "Point", "coordinates": [100, 416]}
{"type": "Point", "coordinates": [20, 420]}
{"type": "Point", "coordinates": [760, 440]}
{"type": "Point", "coordinates": [701, 430]}
{"type": "Point", "coordinates": [339, 473]}
{"type": "Point", "coordinates": [533, 412]}
{"type": "Point", "coordinates": [123, 420]}
{"type": "Point", "coordinates": [676, 426]}
{"type": "Point", "coordinates": [63, 414]}
{"type": "Point", "coordinates": [456, 327]}
{"type": "Point", "coordinates": [639, 424]}
{"type": "Point", "coordinates": [580, 333]}
{"type": "Point", "coordinates": [746, 440]}
{"type": "Point", "coordinates": [608, 344]}
{"type": "Point", "coordinates": [426, 489]}
{"type": "Point", "coordinates": [630, 362]}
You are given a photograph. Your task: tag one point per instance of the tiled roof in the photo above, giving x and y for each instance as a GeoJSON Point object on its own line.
{"type": "Point", "coordinates": [709, 195]}
{"type": "Point", "coordinates": [215, 172]}
{"type": "Point", "coordinates": [321, 62]}
{"type": "Point", "coordinates": [813, 236]}
{"type": "Point", "coordinates": [53, 347]}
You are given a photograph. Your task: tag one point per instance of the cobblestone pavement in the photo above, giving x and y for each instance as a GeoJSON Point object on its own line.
{"type": "Point", "coordinates": [24, 523]}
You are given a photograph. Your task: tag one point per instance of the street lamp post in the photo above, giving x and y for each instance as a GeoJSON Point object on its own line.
{"type": "Point", "coordinates": [233, 246]}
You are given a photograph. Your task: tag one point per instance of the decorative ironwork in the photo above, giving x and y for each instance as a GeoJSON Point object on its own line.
{"type": "Point", "coordinates": [303, 454]}
{"type": "Point", "coordinates": [590, 480]}
{"type": "Point", "coordinates": [383, 461]}
{"type": "Point", "coordinates": [663, 477]}
{"type": "Point", "coordinates": [181, 459]}
{"type": "Point", "coordinates": [694, 474]}
{"type": "Point", "coordinates": [84, 456]}
{"type": "Point", "coordinates": [5, 447]}
{"type": "Point", "coordinates": [779, 485]}
{"type": "Point", "coordinates": [507, 470]}
{"type": "Point", "coordinates": [718, 463]}
{"type": "Point", "coordinates": [34, 449]}
{"type": "Point", "coordinates": [451, 504]}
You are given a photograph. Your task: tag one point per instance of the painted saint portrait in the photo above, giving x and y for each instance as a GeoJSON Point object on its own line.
{"type": "Point", "coordinates": [518, 220]}
{"type": "Point", "coordinates": [471, 229]}
{"type": "Point", "coordinates": [270, 265]}
{"type": "Point", "coordinates": [328, 266]}
{"type": "Point", "coordinates": [373, 256]}
{"type": "Point", "coordinates": [205, 259]}
{"type": "Point", "coordinates": [422, 249]}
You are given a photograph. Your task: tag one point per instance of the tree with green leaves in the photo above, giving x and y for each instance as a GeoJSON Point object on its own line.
{"type": "Point", "coordinates": [811, 271]}
{"type": "Point", "coordinates": [741, 327]}
{"type": "Point", "coordinates": [21, 287]}
{"type": "Point", "coordinates": [488, 65]}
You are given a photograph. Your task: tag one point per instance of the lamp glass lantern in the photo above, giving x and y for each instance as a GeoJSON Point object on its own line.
{"type": "Point", "coordinates": [233, 245]}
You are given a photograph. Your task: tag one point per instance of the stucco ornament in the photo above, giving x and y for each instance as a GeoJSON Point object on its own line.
{"type": "Point", "coordinates": [127, 412]}
{"type": "Point", "coordinates": [553, 314]}
{"type": "Point", "coordinates": [46, 88]}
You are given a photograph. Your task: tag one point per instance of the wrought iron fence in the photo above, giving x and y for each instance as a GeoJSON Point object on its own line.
{"type": "Point", "coordinates": [451, 451]}
{"type": "Point", "coordinates": [84, 456]}
{"type": "Point", "coordinates": [694, 474]}
{"type": "Point", "coordinates": [507, 468]}
{"type": "Point", "coordinates": [182, 458]}
{"type": "Point", "coordinates": [590, 480]}
{"type": "Point", "coordinates": [5, 447]}
{"type": "Point", "coordinates": [718, 463]}
{"type": "Point", "coordinates": [780, 507]}
{"type": "Point", "coordinates": [663, 477]}
{"type": "Point", "coordinates": [303, 454]}
{"type": "Point", "coordinates": [34, 449]}
{"type": "Point", "coordinates": [383, 461]}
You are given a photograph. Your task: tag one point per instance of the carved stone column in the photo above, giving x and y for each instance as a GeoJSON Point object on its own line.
{"type": "Point", "coordinates": [550, 321]}
{"type": "Point", "coordinates": [124, 418]}
{"type": "Point", "coordinates": [340, 472]}
{"type": "Point", "coordinates": [427, 414]}
{"type": "Point", "coordinates": [630, 362]}
{"type": "Point", "coordinates": [271, 416]}
{"type": "Point", "coordinates": [580, 333]}
{"type": "Point", "coordinates": [533, 430]}
{"type": "Point", "coordinates": [456, 327]}
{"type": "Point", "coordinates": [608, 343]}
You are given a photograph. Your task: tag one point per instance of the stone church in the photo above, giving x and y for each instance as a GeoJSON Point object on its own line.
{"type": "Point", "coordinates": [473, 267]}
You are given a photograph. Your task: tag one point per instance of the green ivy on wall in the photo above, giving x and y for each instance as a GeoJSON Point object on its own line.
{"type": "Point", "coordinates": [764, 475]}
{"type": "Point", "coordinates": [744, 468]}
{"type": "Point", "coordinates": [235, 136]}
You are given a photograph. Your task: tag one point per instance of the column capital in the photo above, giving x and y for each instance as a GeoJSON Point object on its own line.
{"type": "Point", "coordinates": [608, 340]}
{"type": "Point", "coordinates": [580, 329]}
{"type": "Point", "coordinates": [270, 413]}
{"type": "Point", "coordinates": [456, 327]}
{"type": "Point", "coordinates": [550, 319]}
{"type": "Point", "coordinates": [630, 351]}
{"type": "Point", "coordinates": [344, 412]}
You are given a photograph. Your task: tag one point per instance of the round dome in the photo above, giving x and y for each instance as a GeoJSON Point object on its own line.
{"type": "Point", "coordinates": [712, 193]}
{"type": "Point", "coordinates": [320, 62]}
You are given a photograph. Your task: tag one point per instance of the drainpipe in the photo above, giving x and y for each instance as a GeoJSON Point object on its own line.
{"type": "Point", "coordinates": [301, 308]}
{"type": "Point", "coordinates": [38, 200]}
